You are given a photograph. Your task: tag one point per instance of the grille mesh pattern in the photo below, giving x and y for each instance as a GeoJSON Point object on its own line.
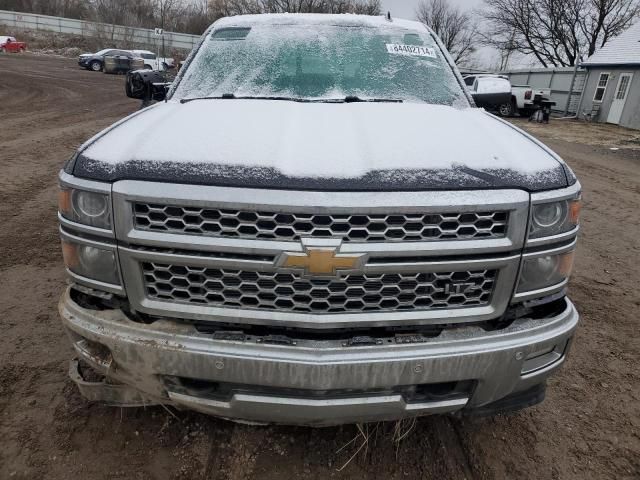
{"type": "Point", "coordinates": [293, 226]}
{"type": "Point", "coordinates": [293, 292]}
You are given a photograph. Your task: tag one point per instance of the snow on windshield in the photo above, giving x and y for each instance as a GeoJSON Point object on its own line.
{"type": "Point", "coordinates": [322, 62]}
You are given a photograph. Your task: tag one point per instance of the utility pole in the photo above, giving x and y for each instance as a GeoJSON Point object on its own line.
{"type": "Point", "coordinates": [162, 26]}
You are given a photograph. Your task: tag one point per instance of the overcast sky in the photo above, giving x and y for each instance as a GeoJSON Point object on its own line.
{"type": "Point", "coordinates": [407, 8]}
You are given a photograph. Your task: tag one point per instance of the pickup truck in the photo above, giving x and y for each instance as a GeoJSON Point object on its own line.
{"type": "Point", "coordinates": [522, 100]}
{"type": "Point", "coordinates": [317, 226]}
{"type": "Point", "coordinates": [10, 44]}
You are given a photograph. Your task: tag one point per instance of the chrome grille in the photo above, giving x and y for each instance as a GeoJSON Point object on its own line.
{"type": "Point", "coordinates": [292, 226]}
{"type": "Point", "coordinates": [293, 292]}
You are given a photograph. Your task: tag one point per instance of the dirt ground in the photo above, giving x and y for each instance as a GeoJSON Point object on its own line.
{"type": "Point", "coordinates": [588, 428]}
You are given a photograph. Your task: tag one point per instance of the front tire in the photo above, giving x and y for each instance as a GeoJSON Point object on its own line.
{"type": "Point", "coordinates": [96, 66]}
{"type": "Point", "coordinates": [507, 109]}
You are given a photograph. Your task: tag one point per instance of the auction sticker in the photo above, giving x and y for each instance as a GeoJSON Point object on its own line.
{"type": "Point", "coordinates": [414, 50]}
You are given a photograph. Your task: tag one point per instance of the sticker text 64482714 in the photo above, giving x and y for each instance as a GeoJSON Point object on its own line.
{"type": "Point", "coordinates": [415, 50]}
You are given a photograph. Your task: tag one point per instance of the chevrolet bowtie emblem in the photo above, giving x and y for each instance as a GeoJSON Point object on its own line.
{"type": "Point", "coordinates": [321, 261]}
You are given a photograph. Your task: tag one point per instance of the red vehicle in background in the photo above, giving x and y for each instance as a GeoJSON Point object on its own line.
{"type": "Point", "coordinates": [10, 44]}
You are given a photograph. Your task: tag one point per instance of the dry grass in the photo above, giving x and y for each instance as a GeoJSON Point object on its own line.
{"type": "Point", "coordinates": [367, 432]}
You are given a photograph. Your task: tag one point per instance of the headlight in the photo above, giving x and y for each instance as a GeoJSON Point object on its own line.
{"type": "Point", "coordinates": [553, 218]}
{"type": "Point", "coordinates": [87, 208]}
{"type": "Point", "coordinates": [545, 271]}
{"type": "Point", "coordinates": [91, 262]}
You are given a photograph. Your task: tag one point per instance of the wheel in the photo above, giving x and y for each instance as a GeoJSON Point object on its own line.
{"type": "Point", "coordinates": [506, 109]}
{"type": "Point", "coordinates": [148, 67]}
{"type": "Point", "coordinates": [3, 50]}
{"type": "Point", "coordinates": [127, 86]}
{"type": "Point", "coordinates": [95, 65]}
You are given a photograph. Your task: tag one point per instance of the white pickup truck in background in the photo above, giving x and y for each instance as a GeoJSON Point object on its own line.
{"type": "Point", "coordinates": [153, 62]}
{"type": "Point", "coordinates": [523, 97]}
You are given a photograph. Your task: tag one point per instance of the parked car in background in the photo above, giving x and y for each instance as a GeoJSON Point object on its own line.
{"type": "Point", "coordinates": [10, 44]}
{"type": "Point", "coordinates": [153, 62]}
{"type": "Point", "coordinates": [95, 61]}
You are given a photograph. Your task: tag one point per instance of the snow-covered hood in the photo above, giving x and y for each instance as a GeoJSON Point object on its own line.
{"type": "Point", "coordinates": [282, 144]}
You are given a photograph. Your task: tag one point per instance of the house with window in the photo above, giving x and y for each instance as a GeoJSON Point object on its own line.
{"type": "Point", "coordinates": [612, 87]}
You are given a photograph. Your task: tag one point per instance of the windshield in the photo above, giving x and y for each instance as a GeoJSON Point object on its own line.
{"type": "Point", "coordinates": [322, 62]}
{"type": "Point", "coordinates": [103, 52]}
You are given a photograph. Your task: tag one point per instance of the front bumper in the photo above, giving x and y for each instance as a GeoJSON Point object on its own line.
{"type": "Point", "coordinates": [498, 364]}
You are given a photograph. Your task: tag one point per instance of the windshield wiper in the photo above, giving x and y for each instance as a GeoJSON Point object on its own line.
{"type": "Point", "coordinates": [355, 99]}
{"type": "Point", "coordinates": [231, 96]}
{"type": "Point", "coordinates": [347, 99]}
{"type": "Point", "coordinates": [224, 96]}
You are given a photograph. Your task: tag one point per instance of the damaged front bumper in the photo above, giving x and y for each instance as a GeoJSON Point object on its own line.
{"type": "Point", "coordinates": [313, 382]}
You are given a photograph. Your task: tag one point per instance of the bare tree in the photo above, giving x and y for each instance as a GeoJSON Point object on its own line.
{"type": "Point", "coordinates": [115, 12]}
{"type": "Point", "coordinates": [600, 20]}
{"type": "Point", "coordinates": [456, 28]}
{"type": "Point", "coordinates": [62, 8]}
{"type": "Point", "coordinates": [556, 32]}
{"type": "Point", "coordinates": [188, 16]}
{"type": "Point", "coordinates": [238, 7]}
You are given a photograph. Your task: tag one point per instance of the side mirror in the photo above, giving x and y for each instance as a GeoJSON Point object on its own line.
{"type": "Point", "coordinates": [146, 85]}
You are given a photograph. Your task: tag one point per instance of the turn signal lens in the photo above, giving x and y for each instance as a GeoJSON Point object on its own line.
{"type": "Point", "coordinates": [64, 202]}
{"type": "Point", "coordinates": [565, 264]}
{"type": "Point", "coordinates": [70, 255]}
{"type": "Point", "coordinates": [574, 211]}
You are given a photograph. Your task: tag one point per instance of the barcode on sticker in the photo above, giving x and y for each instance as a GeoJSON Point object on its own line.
{"type": "Point", "coordinates": [416, 50]}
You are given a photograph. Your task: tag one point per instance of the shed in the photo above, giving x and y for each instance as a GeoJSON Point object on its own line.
{"type": "Point", "coordinates": [612, 87]}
